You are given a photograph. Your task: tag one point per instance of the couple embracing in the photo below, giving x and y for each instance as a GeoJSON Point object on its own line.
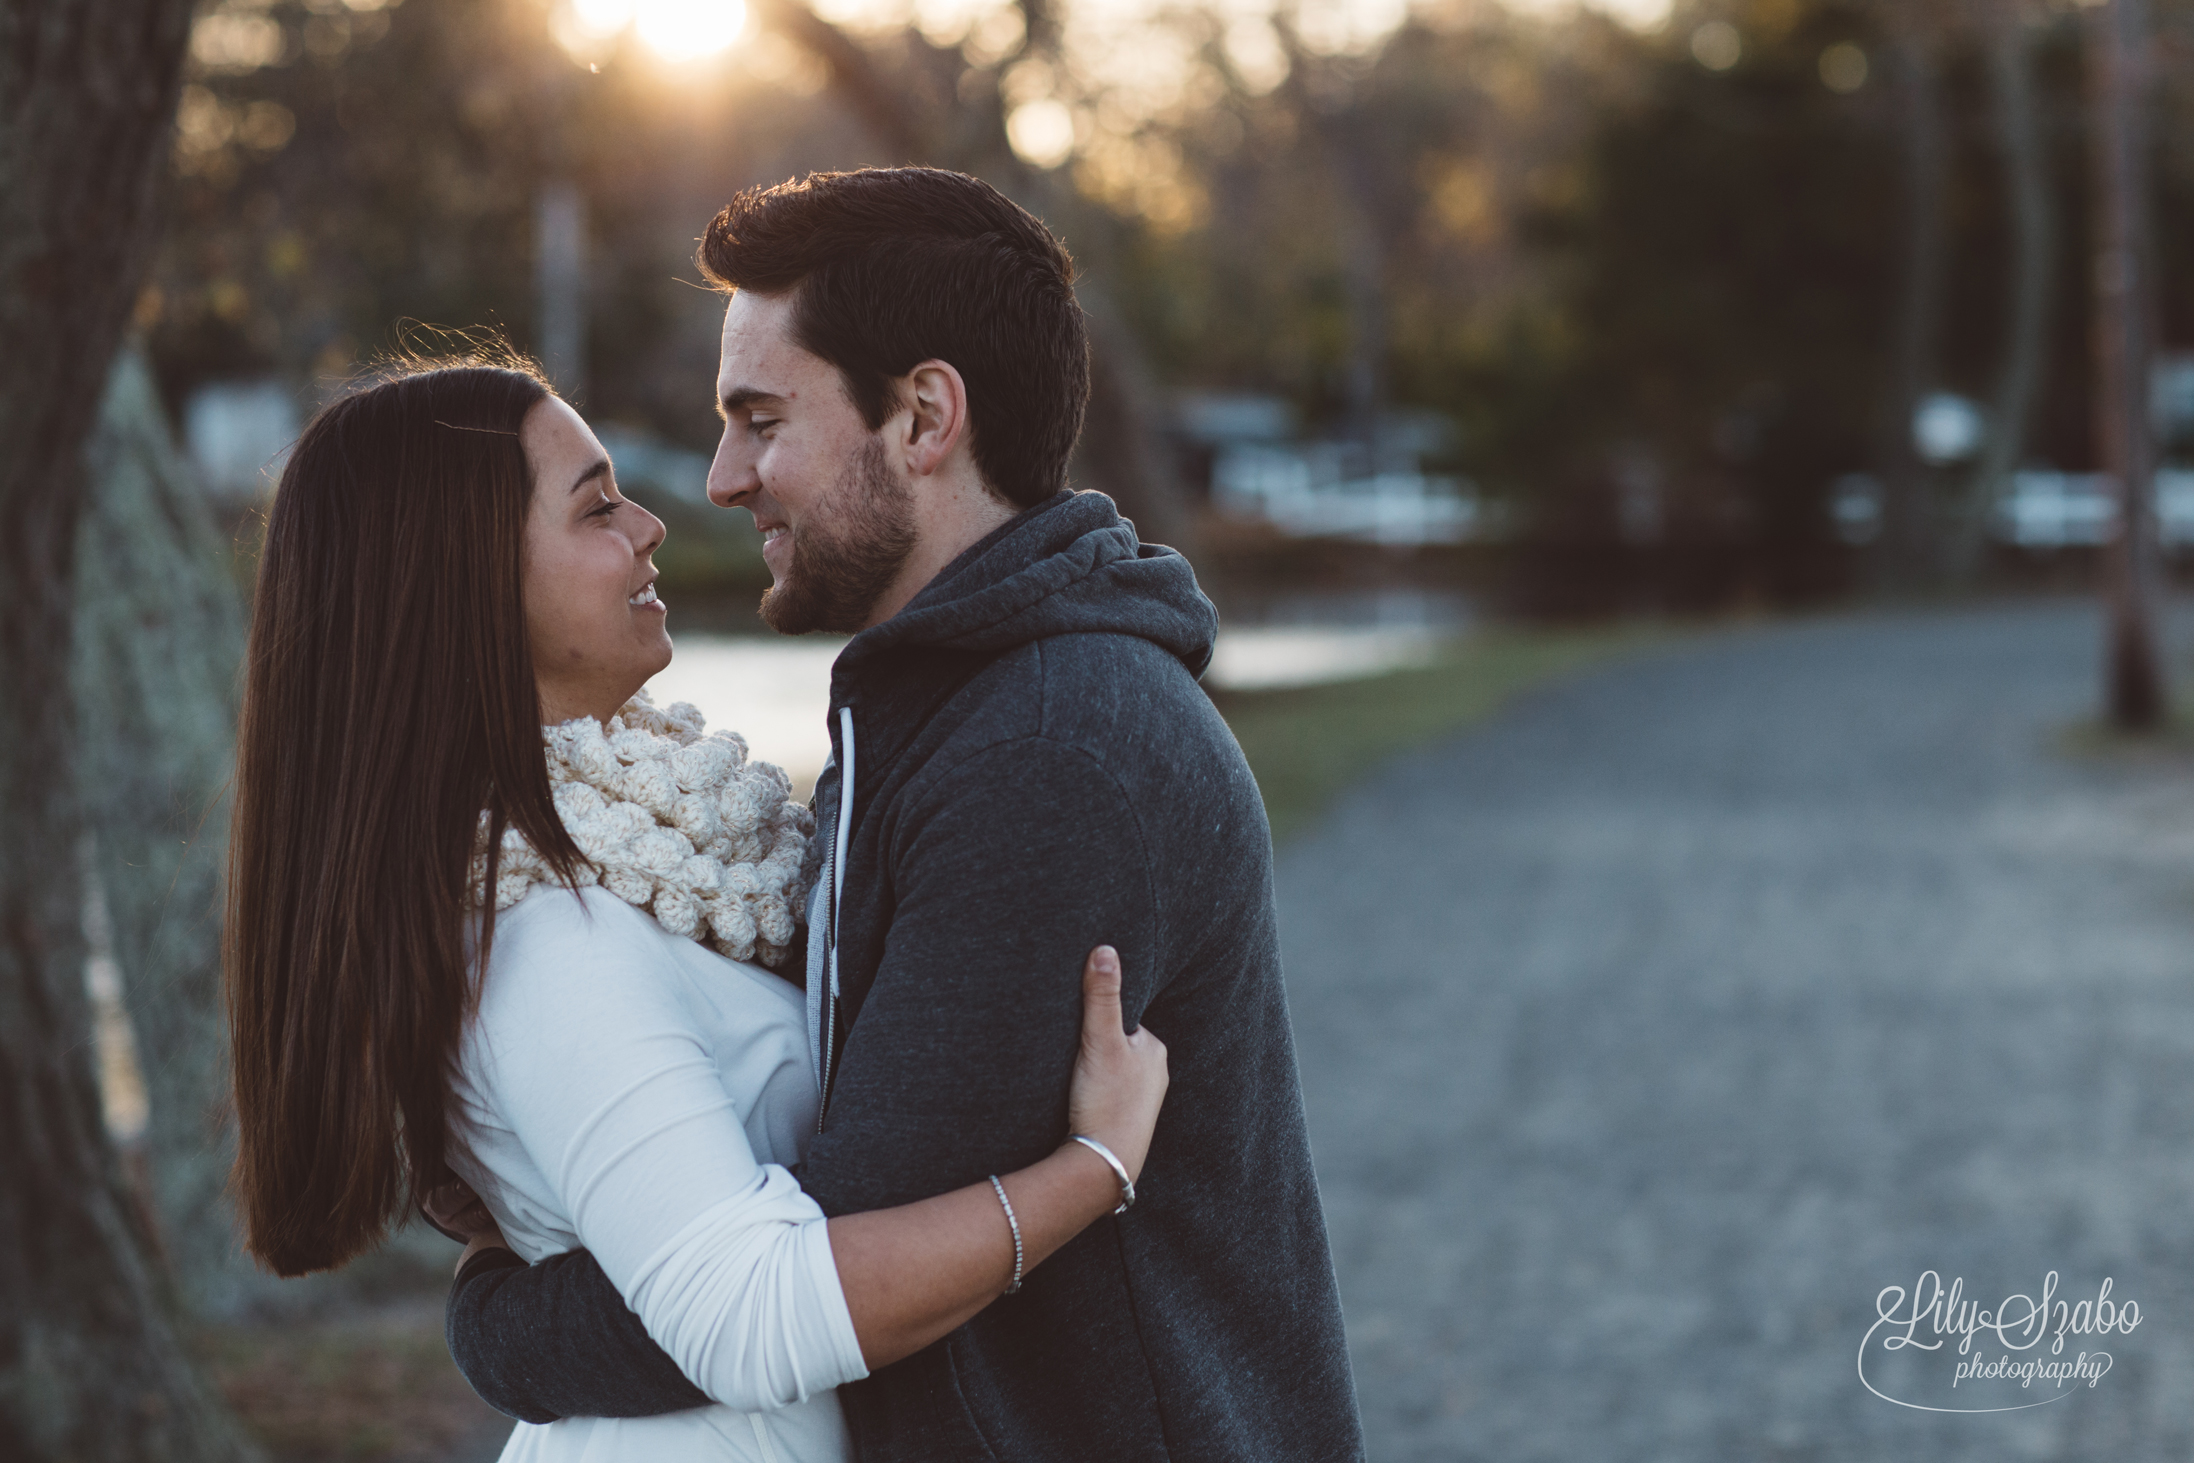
{"type": "Point", "coordinates": [796, 1135]}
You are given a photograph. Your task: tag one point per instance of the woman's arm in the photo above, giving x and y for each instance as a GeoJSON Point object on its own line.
{"type": "Point", "coordinates": [916, 1272]}
{"type": "Point", "coordinates": [919, 1271]}
{"type": "Point", "coordinates": [709, 1250]}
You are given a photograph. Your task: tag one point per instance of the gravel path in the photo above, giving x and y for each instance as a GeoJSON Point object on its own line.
{"type": "Point", "coordinates": [1652, 1029]}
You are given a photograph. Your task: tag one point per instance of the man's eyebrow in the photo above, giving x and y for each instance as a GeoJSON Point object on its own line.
{"type": "Point", "coordinates": [744, 397]}
{"type": "Point", "coordinates": [598, 470]}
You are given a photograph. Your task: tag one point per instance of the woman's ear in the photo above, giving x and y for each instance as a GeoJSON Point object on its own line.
{"type": "Point", "coordinates": [938, 398]}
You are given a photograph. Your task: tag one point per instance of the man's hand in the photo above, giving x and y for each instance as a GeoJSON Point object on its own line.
{"type": "Point", "coordinates": [456, 1210]}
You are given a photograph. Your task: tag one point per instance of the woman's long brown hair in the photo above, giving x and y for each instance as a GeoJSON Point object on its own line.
{"type": "Point", "coordinates": [389, 700]}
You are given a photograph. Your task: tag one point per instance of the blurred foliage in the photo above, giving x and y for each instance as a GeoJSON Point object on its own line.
{"type": "Point", "coordinates": [1601, 255]}
{"type": "Point", "coordinates": [363, 1386]}
{"type": "Point", "coordinates": [383, 170]}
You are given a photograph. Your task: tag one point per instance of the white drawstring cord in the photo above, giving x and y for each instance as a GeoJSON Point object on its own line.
{"type": "Point", "coordinates": [829, 1030]}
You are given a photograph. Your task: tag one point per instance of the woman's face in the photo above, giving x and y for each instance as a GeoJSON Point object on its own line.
{"type": "Point", "coordinates": [596, 627]}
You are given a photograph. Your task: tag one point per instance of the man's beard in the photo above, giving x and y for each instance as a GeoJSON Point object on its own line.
{"type": "Point", "coordinates": [846, 554]}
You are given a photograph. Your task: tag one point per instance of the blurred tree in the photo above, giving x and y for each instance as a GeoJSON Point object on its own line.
{"type": "Point", "coordinates": [2119, 72]}
{"type": "Point", "coordinates": [339, 170]}
{"type": "Point", "coordinates": [1731, 292]}
{"type": "Point", "coordinates": [159, 639]}
{"type": "Point", "coordinates": [90, 1363]}
{"type": "Point", "coordinates": [2008, 37]}
{"type": "Point", "coordinates": [388, 169]}
{"type": "Point", "coordinates": [1354, 150]}
{"type": "Point", "coordinates": [1916, 42]}
{"type": "Point", "coordinates": [1609, 261]}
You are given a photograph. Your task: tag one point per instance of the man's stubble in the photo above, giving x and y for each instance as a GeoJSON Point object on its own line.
{"type": "Point", "coordinates": [845, 556]}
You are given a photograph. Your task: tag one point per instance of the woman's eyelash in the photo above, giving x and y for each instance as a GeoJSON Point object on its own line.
{"type": "Point", "coordinates": [609, 505]}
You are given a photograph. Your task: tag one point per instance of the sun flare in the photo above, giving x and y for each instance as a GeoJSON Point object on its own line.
{"type": "Point", "coordinates": [688, 30]}
{"type": "Point", "coordinates": [676, 30]}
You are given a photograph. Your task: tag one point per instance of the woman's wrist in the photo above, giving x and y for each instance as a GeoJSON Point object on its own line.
{"type": "Point", "coordinates": [1096, 1188]}
{"type": "Point", "coordinates": [1115, 1164]}
{"type": "Point", "coordinates": [1057, 1197]}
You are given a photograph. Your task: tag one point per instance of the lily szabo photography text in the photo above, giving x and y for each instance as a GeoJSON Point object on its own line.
{"type": "Point", "coordinates": [915, 729]}
{"type": "Point", "coordinates": [1932, 1316]}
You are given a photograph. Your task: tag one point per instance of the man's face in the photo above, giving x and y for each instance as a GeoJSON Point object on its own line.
{"type": "Point", "coordinates": [835, 511]}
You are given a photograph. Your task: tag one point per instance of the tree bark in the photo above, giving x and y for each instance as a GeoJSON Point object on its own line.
{"type": "Point", "coordinates": [2119, 81]}
{"type": "Point", "coordinates": [2034, 249]}
{"type": "Point", "coordinates": [90, 1363]}
{"type": "Point", "coordinates": [159, 638]}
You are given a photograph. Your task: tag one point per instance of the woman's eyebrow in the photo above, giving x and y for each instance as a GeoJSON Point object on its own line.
{"type": "Point", "coordinates": [599, 469]}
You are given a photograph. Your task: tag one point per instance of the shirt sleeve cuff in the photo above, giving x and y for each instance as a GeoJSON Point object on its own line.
{"type": "Point", "coordinates": [837, 1317]}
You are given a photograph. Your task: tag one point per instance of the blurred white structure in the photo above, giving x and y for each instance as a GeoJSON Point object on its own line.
{"type": "Point", "coordinates": [1220, 420]}
{"type": "Point", "coordinates": [1305, 490]}
{"type": "Point", "coordinates": [2171, 395]}
{"type": "Point", "coordinates": [1948, 428]}
{"type": "Point", "coordinates": [238, 434]}
{"type": "Point", "coordinates": [1855, 506]}
{"type": "Point", "coordinates": [2045, 509]}
{"type": "Point", "coordinates": [1333, 489]}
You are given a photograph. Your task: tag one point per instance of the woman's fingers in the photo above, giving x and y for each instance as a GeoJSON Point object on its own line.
{"type": "Point", "coordinates": [1101, 994]}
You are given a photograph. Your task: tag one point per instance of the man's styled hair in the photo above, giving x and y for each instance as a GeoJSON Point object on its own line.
{"type": "Point", "coordinates": [896, 266]}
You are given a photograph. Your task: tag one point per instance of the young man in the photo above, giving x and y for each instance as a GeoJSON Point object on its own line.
{"type": "Point", "coordinates": [1023, 767]}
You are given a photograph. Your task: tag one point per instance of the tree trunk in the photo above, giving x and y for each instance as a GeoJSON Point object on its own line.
{"type": "Point", "coordinates": [90, 1363]}
{"type": "Point", "coordinates": [1363, 264]}
{"type": "Point", "coordinates": [1909, 509]}
{"type": "Point", "coordinates": [159, 638]}
{"type": "Point", "coordinates": [2034, 248]}
{"type": "Point", "coordinates": [2118, 77]}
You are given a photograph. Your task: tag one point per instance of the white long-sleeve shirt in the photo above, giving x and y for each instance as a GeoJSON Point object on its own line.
{"type": "Point", "coordinates": [633, 1093]}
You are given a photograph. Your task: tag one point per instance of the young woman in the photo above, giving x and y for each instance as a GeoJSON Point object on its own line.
{"type": "Point", "coordinates": [460, 945]}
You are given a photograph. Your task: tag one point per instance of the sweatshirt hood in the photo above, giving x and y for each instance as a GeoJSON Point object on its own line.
{"type": "Point", "coordinates": [1068, 566]}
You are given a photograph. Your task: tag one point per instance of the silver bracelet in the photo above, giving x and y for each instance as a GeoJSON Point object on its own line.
{"type": "Point", "coordinates": [1015, 1226]}
{"type": "Point", "coordinates": [1119, 1170]}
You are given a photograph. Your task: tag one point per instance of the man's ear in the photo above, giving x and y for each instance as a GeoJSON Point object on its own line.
{"type": "Point", "coordinates": [939, 423]}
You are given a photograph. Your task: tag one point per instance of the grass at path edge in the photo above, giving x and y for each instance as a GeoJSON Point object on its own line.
{"type": "Point", "coordinates": [1307, 744]}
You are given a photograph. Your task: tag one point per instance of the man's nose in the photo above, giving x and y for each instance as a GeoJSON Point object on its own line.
{"type": "Point", "coordinates": [729, 480]}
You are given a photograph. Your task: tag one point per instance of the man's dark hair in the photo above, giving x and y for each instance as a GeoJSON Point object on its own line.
{"type": "Point", "coordinates": [896, 266]}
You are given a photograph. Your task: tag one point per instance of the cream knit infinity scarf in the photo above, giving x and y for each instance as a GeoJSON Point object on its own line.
{"type": "Point", "coordinates": [675, 821]}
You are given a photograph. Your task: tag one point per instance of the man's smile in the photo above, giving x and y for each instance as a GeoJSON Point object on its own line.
{"type": "Point", "coordinates": [776, 546]}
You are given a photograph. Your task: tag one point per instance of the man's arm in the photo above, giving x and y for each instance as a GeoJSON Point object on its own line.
{"type": "Point", "coordinates": [553, 1340]}
{"type": "Point", "coordinates": [1005, 875]}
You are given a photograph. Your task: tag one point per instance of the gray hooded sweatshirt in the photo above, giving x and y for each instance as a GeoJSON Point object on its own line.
{"type": "Point", "coordinates": [1023, 767]}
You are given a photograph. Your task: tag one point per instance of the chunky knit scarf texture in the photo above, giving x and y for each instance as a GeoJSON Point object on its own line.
{"type": "Point", "coordinates": [676, 820]}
